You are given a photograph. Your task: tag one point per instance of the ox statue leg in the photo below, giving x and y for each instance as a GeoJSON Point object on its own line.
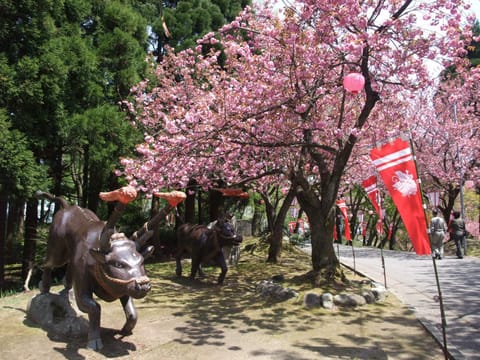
{"type": "Point", "coordinates": [201, 273]}
{"type": "Point", "coordinates": [130, 314]}
{"type": "Point", "coordinates": [67, 291]}
{"type": "Point", "coordinates": [46, 280]}
{"type": "Point", "coordinates": [178, 268]}
{"type": "Point", "coordinates": [220, 260]}
{"type": "Point", "coordinates": [86, 304]}
{"type": "Point", "coordinates": [195, 266]}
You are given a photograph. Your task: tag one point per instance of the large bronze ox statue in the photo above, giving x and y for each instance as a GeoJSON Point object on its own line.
{"type": "Point", "coordinates": [99, 260]}
{"type": "Point", "coordinates": [205, 246]}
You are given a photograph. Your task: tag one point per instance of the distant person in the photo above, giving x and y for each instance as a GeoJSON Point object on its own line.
{"type": "Point", "coordinates": [457, 232]}
{"type": "Point", "coordinates": [438, 229]}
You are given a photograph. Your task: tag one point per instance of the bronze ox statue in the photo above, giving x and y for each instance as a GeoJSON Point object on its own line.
{"type": "Point", "coordinates": [205, 246]}
{"type": "Point", "coordinates": [99, 260]}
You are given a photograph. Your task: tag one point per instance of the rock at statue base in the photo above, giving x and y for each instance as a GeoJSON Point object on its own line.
{"type": "Point", "coordinates": [55, 314]}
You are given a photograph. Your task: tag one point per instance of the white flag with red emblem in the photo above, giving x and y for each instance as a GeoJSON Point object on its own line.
{"type": "Point", "coordinates": [395, 164]}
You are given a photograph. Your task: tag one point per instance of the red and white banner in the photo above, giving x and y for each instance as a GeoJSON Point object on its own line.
{"type": "Point", "coordinates": [394, 162]}
{"type": "Point", "coordinates": [342, 205]}
{"type": "Point", "coordinates": [434, 198]}
{"type": "Point", "coordinates": [370, 186]}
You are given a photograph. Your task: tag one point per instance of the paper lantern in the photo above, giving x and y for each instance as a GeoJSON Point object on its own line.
{"type": "Point", "coordinates": [354, 82]}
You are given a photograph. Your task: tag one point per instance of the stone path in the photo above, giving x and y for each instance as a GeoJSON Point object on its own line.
{"type": "Point", "coordinates": [412, 279]}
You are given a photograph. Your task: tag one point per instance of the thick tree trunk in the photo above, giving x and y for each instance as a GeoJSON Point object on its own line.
{"type": "Point", "coordinates": [325, 264]}
{"type": "Point", "coordinates": [321, 232]}
{"type": "Point", "coordinates": [275, 249]}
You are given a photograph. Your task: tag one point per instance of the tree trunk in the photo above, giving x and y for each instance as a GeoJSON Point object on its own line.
{"type": "Point", "coordinates": [30, 244]}
{"type": "Point", "coordinates": [321, 232]}
{"type": "Point", "coordinates": [14, 219]}
{"type": "Point", "coordinates": [275, 249]}
{"type": "Point", "coordinates": [258, 211]}
{"type": "Point", "coordinates": [154, 209]}
{"type": "Point", "coordinates": [190, 202]}
{"type": "Point", "coordinates": [96, 184]}
{"type": "Point", "coordinates": [216, 204]}
{"type": "Point", "coordinates": [86, 176]}
{"type": "Point", "coordinates": [3, 235]}
{"type": "Point", "coordinates": [321, 215]}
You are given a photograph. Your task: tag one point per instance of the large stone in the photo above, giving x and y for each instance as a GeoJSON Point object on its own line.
{"type": "Point", "coordinates": [55, 314]}
{"type": "Point", "coordinates": [349, 300]}
{"type": "Point", "coordinates": [311, 300]}
{"type": "Point", "coordinates": [379, 291]}
{"type": "Point", "coordinates": [369, 296]}
{"type": "Point", "coordinates": [275, 291]}
{"type": "Point", "coordinates": [327, 300]}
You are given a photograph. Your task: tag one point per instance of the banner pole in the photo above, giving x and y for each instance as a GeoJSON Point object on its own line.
{"type": "Point", "coordinates": [353, 256]}
{"type": "Point", "coordinates": [440, 298]}
{"type": "Point", "coordinates": [383, 267]}
{"type": "Point", "coordinates": [442, 310]}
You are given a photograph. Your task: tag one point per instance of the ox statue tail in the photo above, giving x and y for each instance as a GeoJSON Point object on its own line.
{"type": "Point", "coordinates": [61, 202]}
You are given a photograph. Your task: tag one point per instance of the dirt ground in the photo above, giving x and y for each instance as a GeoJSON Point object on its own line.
{"type": "Point", "coordinates": [181, 319]}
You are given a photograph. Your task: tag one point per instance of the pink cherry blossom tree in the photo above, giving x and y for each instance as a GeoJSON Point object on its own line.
{"type": "Point", "coordinates": [263, 97]}
{"type": "Point", "coordinates": [447, 137]}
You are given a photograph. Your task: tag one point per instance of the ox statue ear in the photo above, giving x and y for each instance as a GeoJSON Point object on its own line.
{"type": "Point", "coordinates": [98, 255]}
{"type": "Point", "coordinates": [147, 252]}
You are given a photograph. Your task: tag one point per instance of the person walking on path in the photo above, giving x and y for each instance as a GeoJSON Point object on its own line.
{"type": "Point", "coordinates": [457, 232]}
{"type": "Point", "coordinates": [438, 228]}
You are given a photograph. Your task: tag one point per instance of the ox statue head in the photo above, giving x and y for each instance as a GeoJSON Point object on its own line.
{"type": "Point", "coordinates": [119, 267]}
{"type": "Point", "coordinates": [226, 231]}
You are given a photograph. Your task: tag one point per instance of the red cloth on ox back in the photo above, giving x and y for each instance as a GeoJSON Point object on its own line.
{"type": "Point", "coordinates": [394, 162]}
{"type": "Point", "coordinates": [233, 192]}
{"type": "Point", "coordinates": [124, 195]}
{"type": "Point", "coordinates": [173, 197]}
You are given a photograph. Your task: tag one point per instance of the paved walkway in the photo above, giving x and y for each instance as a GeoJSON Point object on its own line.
{"type": "Point", "coordinates": [412, 279]}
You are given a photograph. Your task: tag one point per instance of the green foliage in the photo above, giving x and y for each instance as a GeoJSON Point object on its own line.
{"type": "Point", "coordinates": [20, 175]}
{"type": "Point", "coordinates": [189, 20]}
{"type": "Point", "coordinates": [474, 47]}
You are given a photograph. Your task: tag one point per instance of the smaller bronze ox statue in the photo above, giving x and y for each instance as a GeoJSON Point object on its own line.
{"type": "Point", "coordinates": [205, 245]}
{"type": "Point", "coordinates": [99, 260]}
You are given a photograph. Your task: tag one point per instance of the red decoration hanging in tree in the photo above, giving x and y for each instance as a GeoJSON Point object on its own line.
{"type": "Point", "coordinates": [354, 82]}
{"type": "Point", "coordinates": [233, 192]}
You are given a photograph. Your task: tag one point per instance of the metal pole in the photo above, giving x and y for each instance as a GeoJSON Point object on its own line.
{"type": "Point", "coordinates": [442, 311]}
{"type": "Point", "coordinates": [440, 298]}
{"type": "Point", "coordinates": [462, 211]}
{"type": "Point", "coordinates": [383, 267]}
{"type": "Point", "coordinates": [462, 206]}
{"type": "Point", "coordinates": [353, 255]}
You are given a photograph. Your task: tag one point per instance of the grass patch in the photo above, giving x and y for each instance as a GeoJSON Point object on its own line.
{"type": "Point", "coordinates": [294, 266]}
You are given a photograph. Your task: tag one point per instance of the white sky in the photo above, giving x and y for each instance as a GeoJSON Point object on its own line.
{"type": "Point", "coordinates": [475, 7]}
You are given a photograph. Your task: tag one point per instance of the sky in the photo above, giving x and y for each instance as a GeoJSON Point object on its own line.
{"type": "Point", "coordinates": [476, 7]}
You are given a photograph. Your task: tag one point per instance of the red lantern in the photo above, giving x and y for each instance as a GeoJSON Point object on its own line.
{"type": "Point", "coordinates": [354, 82]}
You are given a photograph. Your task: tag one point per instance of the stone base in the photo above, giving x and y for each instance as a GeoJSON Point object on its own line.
{"type": "Point", "coordinates": [55, 314]}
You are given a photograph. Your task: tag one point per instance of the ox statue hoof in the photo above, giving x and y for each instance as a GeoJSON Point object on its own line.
{"type": "Point", "coordinates": [95, 344]}
{"type": "Point", "coordinates": [126, 331]}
